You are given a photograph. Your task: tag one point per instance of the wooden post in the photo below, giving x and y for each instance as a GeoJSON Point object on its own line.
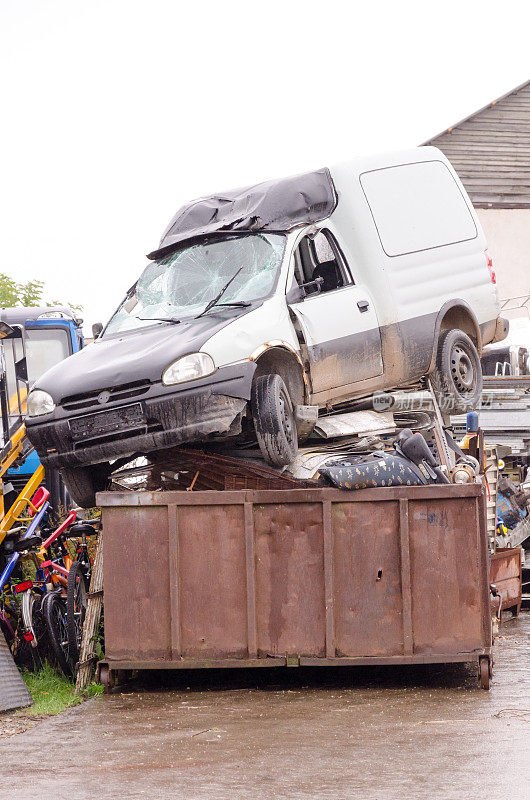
{"type": "Point", "coordinates": [87, 655]}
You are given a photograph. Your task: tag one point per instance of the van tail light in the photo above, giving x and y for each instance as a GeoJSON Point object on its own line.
{"type": "Point", "coordinates": [21, 587]}
{"type": "Point", "coordinates": [490, 267]}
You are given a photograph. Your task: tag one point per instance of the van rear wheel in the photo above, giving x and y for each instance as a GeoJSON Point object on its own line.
{"type": "Point", "coordinates": [274, 420]}
{"type": "Point", "coordinates": [82, 483]}
{"type": "Point", "coordinates": [457, 376]}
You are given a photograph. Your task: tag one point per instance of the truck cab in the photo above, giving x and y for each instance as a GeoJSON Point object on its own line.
{"type": "Point", "coordinates": [47, 336]}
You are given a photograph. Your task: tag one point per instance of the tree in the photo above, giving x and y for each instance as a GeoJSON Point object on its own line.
{"type": "Point", "coordinates": [13, 293]}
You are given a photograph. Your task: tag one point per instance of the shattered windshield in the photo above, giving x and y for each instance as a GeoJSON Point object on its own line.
{"type": "Point", "coordinates": [183, 283]}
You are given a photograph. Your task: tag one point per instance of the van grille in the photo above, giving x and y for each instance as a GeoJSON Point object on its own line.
{"type": "Point", "coordinates": [77, 402]}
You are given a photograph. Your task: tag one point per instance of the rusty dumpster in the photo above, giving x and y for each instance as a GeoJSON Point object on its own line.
{"type": "Point", "coordinates": [295, 577]}
{"type": "Point", "coordinates": [507, 574]}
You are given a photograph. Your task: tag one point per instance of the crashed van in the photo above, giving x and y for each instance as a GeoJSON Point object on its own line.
{"type": "Point", "coordinates": [263, 306]}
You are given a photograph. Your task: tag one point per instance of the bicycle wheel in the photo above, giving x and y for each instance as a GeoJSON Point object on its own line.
{"type": "Point", "coordinates": [54, 611]}
{"type": "Point", "coordinates": [76, 602]}
{"type": "Point", "coordinates": [34, 625]}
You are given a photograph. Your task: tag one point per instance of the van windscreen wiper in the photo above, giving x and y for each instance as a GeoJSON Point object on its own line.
{"type": "Point", "coordinates": [216, 299]}
{"type": "Point", "coordinates": [160, 319]}
{"type": "Point", "coordinates": [238, 303]}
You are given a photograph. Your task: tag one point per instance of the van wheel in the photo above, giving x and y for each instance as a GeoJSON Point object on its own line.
{"type": "Point", "coordinates": [82, 483]}
{"type": "Point", "coordinates": [457, 376]}
{"type": "Point", "coordinates": [274, 421]}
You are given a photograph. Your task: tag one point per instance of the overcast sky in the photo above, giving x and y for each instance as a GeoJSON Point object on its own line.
{"type": "Point", "coordinates": [115, 112]}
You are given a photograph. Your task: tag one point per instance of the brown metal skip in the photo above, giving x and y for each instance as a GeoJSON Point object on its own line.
{"type": "Point", "coordinates": [296, 577]}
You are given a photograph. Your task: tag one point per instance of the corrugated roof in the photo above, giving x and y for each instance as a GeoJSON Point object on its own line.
{"type": "Point", "coordinates": [13, 691]}
{"type": "Point", "coordinates": [490, 150]}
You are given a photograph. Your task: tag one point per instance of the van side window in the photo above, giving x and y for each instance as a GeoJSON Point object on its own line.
{"type": "Point", "coordinates": [319, 256]}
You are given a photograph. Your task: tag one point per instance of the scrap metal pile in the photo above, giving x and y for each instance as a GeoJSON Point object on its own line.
{"type": "Point", "coordinates": [347, 449]}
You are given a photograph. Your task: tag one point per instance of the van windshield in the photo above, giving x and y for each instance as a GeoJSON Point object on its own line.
{"type": "Point", "coordinates": [183, 283]}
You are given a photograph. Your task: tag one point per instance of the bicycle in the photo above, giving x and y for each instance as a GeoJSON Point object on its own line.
{"type": "Point", "coordinates": [59, 594]}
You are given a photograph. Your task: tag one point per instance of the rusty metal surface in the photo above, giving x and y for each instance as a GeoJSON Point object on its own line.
{"type": "Point", "coordinates": [446, 576]}
{"type": "Point", "coordinates": [506, 574]}
{"type": "Point", "coordinates": [296, 576]}
{"type": "Point", "coordinates": [368, 605]}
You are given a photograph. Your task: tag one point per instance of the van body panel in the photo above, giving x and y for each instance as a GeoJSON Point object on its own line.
{"type": "Point", "coordinates": [252, 331]}
{"type": "Point", "coordinates": [337, 359]}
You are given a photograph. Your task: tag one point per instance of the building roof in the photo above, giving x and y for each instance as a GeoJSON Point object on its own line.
{"type": "Point", "coordinates": [490, 150]}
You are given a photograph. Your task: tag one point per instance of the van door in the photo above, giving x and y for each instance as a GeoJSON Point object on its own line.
{"type": "Point", "coordinates": [338, 320]}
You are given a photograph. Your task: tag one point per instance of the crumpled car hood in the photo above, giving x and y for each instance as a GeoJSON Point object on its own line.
{"type": "Point", "coordinates": [132, 356]}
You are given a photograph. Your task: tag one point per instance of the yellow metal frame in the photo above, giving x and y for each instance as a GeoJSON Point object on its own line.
{"type": "Point", "coordinates": [23, 500]}
{"type": "Point", "coordinates": [17, 443]}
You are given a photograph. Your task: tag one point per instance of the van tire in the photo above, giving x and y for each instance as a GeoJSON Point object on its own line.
{"type": "Point", "coordinates": [274, 420]}
{"type": "Point", "coordinates": [82, 483]}
{"type": "Point", "coordinates": [457, 376]}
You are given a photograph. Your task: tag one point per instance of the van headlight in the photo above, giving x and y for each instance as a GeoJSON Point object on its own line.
{"type": "Point", "coordinates": [39, 403]}
{"type": "Point", "coordinates": [188, 368]}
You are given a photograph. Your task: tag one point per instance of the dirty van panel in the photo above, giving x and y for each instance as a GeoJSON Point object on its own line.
{"type": "Point", "coordinates": [443, 541]}
{"type": "Point", "coordinates": [290, 580]}
{"type": "Point", "coordinates": [366, 549]}
{"type": "Point", "coordinates": [338, 321]}
{"type": "Point", "coordinates": [211, 553]}
{"type": "Point", "coordinates": [408, 348]}
{"type": "Point", "coordinates": [137, 597]}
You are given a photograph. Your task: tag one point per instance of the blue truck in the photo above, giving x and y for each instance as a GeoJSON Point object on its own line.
{"type": "Point", "coordinates": [50, 334]}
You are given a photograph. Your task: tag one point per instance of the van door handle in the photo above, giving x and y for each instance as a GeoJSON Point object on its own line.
{"type": "Point", "coordinates": [363, 305]}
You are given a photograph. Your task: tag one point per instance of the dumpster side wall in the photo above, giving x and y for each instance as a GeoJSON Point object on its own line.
{"type": "Point", "coordinates": [316, 574]}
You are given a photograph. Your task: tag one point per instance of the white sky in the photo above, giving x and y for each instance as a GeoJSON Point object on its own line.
{"type": "Point", "coordinates": [115, 112]}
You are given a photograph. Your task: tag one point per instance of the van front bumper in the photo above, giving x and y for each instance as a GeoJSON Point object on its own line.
{"type": "Point", "coordinates": [166, 417]}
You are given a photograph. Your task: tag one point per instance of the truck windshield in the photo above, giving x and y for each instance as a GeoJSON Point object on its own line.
{"type": "Point", "coordinates": [45, 347]}
{"type": "Point", "coordinates": [183, 283]}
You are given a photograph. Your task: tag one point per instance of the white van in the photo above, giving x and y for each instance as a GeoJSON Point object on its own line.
{"type": "Point", "coordinates": [263, 305]}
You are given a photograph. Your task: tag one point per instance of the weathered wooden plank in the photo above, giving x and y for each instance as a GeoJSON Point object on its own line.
{"type": "Point", "coordinates": [87, 657]}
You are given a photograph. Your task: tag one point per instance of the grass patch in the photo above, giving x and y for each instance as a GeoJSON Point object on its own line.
{"type": "Point", "coordinates": [53, 692]}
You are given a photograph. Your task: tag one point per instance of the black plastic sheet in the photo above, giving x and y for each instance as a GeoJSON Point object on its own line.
{"type": "Point", "coordinates": [274, 206]}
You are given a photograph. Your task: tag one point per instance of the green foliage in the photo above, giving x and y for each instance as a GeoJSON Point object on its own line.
{"type": "Point", "coordinates": [52, 692]}
{"type": "Point", "coordinates": [13, 293]}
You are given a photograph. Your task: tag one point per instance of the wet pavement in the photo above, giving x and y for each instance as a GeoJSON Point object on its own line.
{"type": "Point", "coordinates": [374, 734]}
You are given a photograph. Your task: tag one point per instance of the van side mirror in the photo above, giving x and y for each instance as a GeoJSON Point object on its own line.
{"type": "Point", "coordinates": [295, 295]}
{"type": "Point", "coordinates": [97, 327]}
{"type": "Point", "coordinates": [298, 293]}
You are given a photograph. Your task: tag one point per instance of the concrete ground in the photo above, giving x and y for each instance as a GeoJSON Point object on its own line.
{"type": "Point", "coordinates": [337, 734]}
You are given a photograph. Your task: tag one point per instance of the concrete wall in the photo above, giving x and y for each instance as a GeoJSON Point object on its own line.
{"type": "Point", "coordinates": [508, 236]}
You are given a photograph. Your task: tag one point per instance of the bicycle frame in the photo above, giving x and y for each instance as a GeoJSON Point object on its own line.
{"type": "Point", "coordinates": [13, 561]}
{"type": "Point", "coordinates": [24, 499]}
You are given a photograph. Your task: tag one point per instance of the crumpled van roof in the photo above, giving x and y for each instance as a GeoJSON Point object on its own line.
{"type": "Point", "coordinates": [273, 206]}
